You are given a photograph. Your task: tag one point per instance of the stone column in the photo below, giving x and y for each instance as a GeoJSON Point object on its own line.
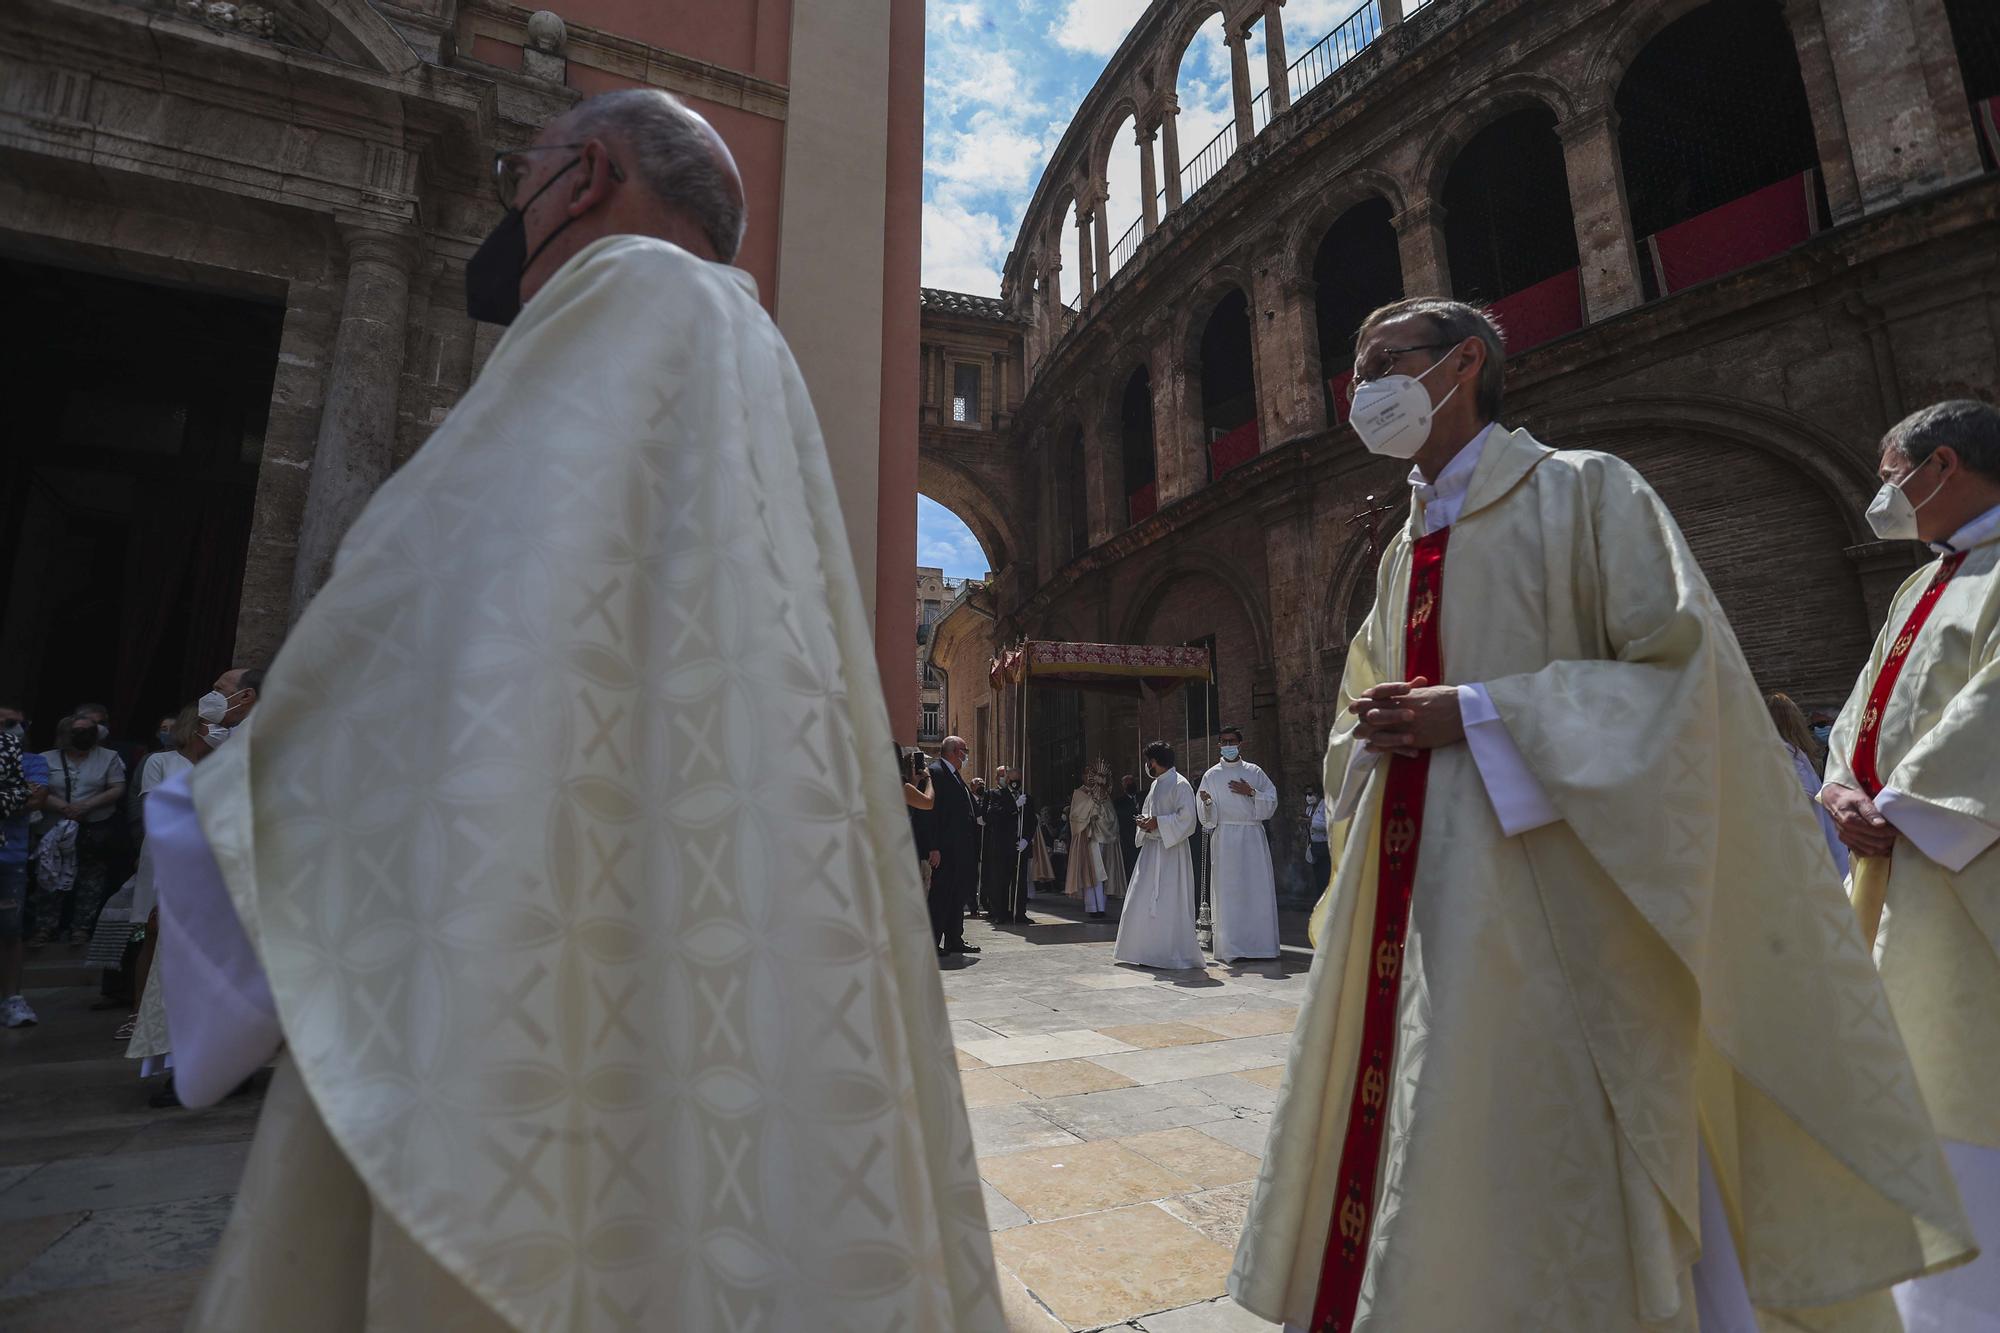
{"type": "Point", "coordinates": [1102, 230]}
{"type": "Point", "coordinates": [1836, 162]}
{"type": "Point", "coordinates": [1239, 82]}
{"type": "Point", "coordinates": [1276, 67]}
{"type": "Point", "coordinates": [1103, 478]}
{"type": "Point", "coordinates": [1285, 332]}
{"type": "Point", "coordinates": [1086, 271]}
{"type": "Point", "coordinates": [1149, 183]}
{"type": "Point", "coordinates": [1420, 244]}
{"type": "Point", "coordinates": [1904, 143]}
{"type": "Point", "coordinates": [1392, 13]}
{"type": "Point", "coordinates": [1179, 452]}
{"type": "Point", "coordinates": [1170, 149]}
{"type": "Point", "coordinates": [1294, 595]}
{"type": "Point", "coordinates": [1606, 253]}
{"type": "Point", "coordinates": [357, 423]}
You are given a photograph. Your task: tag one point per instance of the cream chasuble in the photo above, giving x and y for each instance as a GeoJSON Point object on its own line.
{"type": "Point", "coordinates": [587, 901]}
{"type": "Point", "coordinates": [1582, 1006]}
{"type": "Point", "coordinates": [1938, 741]}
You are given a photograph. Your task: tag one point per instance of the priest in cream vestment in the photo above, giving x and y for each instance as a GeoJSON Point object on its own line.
{"type": "Point", "coordinates": [563, 853]}
{"type": "Point", "coordinates": [1913, 781]}
{"type": "Point", "coordinates": [1587, 1005]}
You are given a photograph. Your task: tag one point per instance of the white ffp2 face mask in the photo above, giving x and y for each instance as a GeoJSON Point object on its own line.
{"type": "Point", "coordinates": [211, 707]}
{"type": "Point", "coordinates": [1393, 415]}
{"type": "Point", "coordinates": [1891, 514]}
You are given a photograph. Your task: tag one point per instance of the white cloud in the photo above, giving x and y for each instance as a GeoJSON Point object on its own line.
{"type": "Point", "coordinates": [990, 155]}
{"type": "Point", "coordinates": [944, 542]}
{"type": "Point", "coordinates": [1094, 27]}
{"type": "Point", "coordinates": [964, 249]}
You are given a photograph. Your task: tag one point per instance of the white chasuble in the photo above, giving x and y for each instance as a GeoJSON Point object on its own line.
{"type": "Point", "coordinates": [587, 903]}
{"type": "Point", "coordinates": [1242, 888]}
{"type": "Point", "coordinates": [1156, 924]}
{"type": "Point", "coordinates": [1585, 1005]}
{"type": "Point", "coordinates": [1937, 756]}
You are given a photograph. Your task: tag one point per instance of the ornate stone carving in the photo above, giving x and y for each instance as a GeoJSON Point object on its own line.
{"type": "Point", "coordinates": [254, 20]}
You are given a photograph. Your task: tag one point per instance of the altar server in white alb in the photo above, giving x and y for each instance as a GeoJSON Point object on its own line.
{"type": "Point", "coordinates": [1156, 927]}
{"type": "Point", "coordinates": [1236, 798]}
{"type": "Point", "coordinates": [559, 853]}
{"type": "Point", "coordinates": [1913, 783]}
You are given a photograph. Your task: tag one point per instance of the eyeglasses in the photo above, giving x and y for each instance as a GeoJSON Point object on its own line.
{"type": "Point", "coordinates": [1384, 363]}
{"type": "Point", "coordinates": [510, 168]}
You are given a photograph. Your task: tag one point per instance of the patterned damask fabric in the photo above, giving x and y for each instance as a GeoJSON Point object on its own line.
{"type": "Point", "coordinates": [564, 831]}
{"type": "Point", "coordinates": [1585, 1006]}
{"type": "Point", "coordinates": [1939, 942]}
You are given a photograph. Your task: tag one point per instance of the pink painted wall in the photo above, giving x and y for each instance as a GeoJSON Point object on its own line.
{"type": "Point", "coordinates": [902, 244]}
{"type": "Point", "coordinates": [750, 36]}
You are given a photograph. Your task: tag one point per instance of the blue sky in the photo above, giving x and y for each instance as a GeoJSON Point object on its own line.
{"type": "Point", "coordinates": [1002, 78]}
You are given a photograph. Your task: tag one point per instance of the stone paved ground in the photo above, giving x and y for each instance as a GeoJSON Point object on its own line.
{"type": "Point", "coordinates": [1119, 1116]}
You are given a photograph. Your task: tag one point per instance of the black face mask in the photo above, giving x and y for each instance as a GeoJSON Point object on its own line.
{"type": "Point", "coordinates": [493, 274]}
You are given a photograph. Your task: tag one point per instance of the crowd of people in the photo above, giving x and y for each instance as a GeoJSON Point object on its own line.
{"type": "Point", "coordinates": [76, 874]}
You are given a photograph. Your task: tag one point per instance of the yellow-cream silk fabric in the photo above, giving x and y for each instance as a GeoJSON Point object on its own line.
{"type": "Point", "coordinates": [1582, 1005]}
{"type": "Point", "coordinates": [1939, 941]}
{"type": "Point", "coordinates": [567, 831]}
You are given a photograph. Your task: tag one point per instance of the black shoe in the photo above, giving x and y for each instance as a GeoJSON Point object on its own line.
{"type": "Point", "coordinates": [960, 946]}
{"type": "Point", "coordinates": [165, 1097]}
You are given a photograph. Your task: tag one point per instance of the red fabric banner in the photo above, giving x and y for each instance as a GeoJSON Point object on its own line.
{"type": "Point", "coordinates": [1235, 449]}
{"type": "Point", "coordinates": [1534, 315]}
{"type": "Point", "coordinates": [1400, 838]}
{"type": "Point", "coordinates": [1143, 503]}
{"type": "Point", "coordinates": [1870, 736]}
{"type": "Point", "coordinates": [1743, 231]}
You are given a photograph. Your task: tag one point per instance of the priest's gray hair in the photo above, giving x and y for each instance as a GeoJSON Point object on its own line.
{"type": "Point", "coordinates": [1969, 426]}
{"type": "Point", "coordinates": [1455, 321]}
{"type": "Point", "coordinates": [678, 155]}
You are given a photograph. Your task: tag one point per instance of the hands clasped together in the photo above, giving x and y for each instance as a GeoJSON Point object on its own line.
{"type": "Point", "coordinates": [1860, 825]}
{"type": "Point", "coordinates": [1405, 717]}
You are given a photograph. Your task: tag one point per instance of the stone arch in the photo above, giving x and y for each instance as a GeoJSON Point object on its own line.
{"type": "Point", "coordinates": [1760, 495]}
{"type": "Point", "coordinates": [1634, 26]}
{"type": "Point", "coordinates": [1226, 275]}
{"type": "Point", "coordinates": [1105, 137]}
{"type": "Point", "coordinates": [1486, 104]}
{"type": "Point", "coordinates": [1152, 592]}
{"type": "Point", "coordinates": [957, 489]}
{"type": "Point", "coordinates": [1301, 239]}
{"type": "Point", "coordinates": [1176, 40]}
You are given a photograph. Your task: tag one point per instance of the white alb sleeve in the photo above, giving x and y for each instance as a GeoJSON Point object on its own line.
{"type": "Point", "coordinates": [1947, 837]}
{"type": "Point", "coordinates": [220, 1016]}
{"type": "Point", "coordinates": [1517, 796]}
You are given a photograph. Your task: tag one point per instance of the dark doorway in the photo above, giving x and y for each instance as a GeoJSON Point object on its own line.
{"type": "Point", "coordinates": [1228, 383]}
{"type": "Point", "coordinates": [1507, 222]}
{"type": "Point", "coordinates": [1975, 33]}
{"type": "Point", "coordinates": [1077, 496]}
{"type": "Point", "coordinates": [1135, 446]}
{"type": "Point", "coordinates": [1358, 270]}
{"type": "Point", "coordinates": [139, 416]}
{"type": "Point", "coordinates": [1711, 112]}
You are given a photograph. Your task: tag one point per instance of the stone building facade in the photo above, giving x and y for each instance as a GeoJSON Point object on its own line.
{"type": "Point", "coordinates": [1730, 241]}
{"type": "Point", "coordinates": [283, 194]}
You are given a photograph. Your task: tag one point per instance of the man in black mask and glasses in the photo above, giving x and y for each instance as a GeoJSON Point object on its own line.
{"type": "Point", "coordinates": [627, 883]}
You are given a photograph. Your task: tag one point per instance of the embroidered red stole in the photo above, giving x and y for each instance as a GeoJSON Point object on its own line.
{"type": "Point", "coordinates": [1869, 737]}
{"type": "Point", "coordinates": [1401, 835]}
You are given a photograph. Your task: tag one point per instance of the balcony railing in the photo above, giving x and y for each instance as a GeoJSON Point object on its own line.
{"type": "Point", "coordinates": [1335, 49]}
{"type": "Point", "coordinates": [1127, 246]}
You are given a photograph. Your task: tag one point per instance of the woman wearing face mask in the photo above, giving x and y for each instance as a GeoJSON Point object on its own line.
{"type": "Point", "coordinates": [86, 782]}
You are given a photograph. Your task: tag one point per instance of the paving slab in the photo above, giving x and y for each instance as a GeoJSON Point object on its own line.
{"type": "Point", "coordinates": [1069, 1045]}
{"type": "Point", "coordinates": [127, 1179]}
{"type": "Point", "coordinates": [1049, 1183]}
{"type": "Point", "coordinates": [1101, 1268]}
{"type": "Point", "coordinates": [1223, 1316]}
{"type": "Point", "coordinates": [1182, 1062]}
{"type": "Point", "coordinates": [117, 1244]}
{"type": "Point", "coordinates": [1004, 1129]}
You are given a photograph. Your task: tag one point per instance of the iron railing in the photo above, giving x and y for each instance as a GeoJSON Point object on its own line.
{"type": "Point", "coordinates": [1315, 67]}
{"type": "Point", "coordinates": [1335, 49]}
{"type": "Point", "coordinates": [1128, 245]}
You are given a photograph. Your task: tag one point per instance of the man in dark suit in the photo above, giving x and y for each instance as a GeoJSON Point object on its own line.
{"type": "Point", "coordinates": [1010, 825]}
{"type": "Point", "coordinates": [954, 848]}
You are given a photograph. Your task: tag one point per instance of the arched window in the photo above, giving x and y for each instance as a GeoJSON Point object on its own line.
{"type": "Point", "coordinates": [1508, 229]}
{"type": "Point", "coordinates": [1716, 137]}
{"type": "Point", "coordinates": [1228, 387]}
{"type": "Point", "coordinates": [1975, 32]}
{"type": "Point", "coordinates": [1357, 270]}
{"type": "Point", "coordinates": [1207, 126]}
{"type": "Point", "coordinates": [1135, 437]}
{"type": "Point", "coordinates": [1121, 197]}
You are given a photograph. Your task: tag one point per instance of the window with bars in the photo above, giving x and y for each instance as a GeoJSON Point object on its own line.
{"type": "Point", "coordinates": [964, 394]}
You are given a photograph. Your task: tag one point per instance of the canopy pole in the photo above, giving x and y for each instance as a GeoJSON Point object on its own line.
{"type": "Point", "coordinates": [1204, 922]}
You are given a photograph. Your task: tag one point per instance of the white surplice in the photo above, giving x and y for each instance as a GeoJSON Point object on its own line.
{"type": "Point", "coordinates": [596, 945]}
{"type": "Point", "coordinates": [1156, 928]}
{"type": "Point", "coordinates": [1242, 890]}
